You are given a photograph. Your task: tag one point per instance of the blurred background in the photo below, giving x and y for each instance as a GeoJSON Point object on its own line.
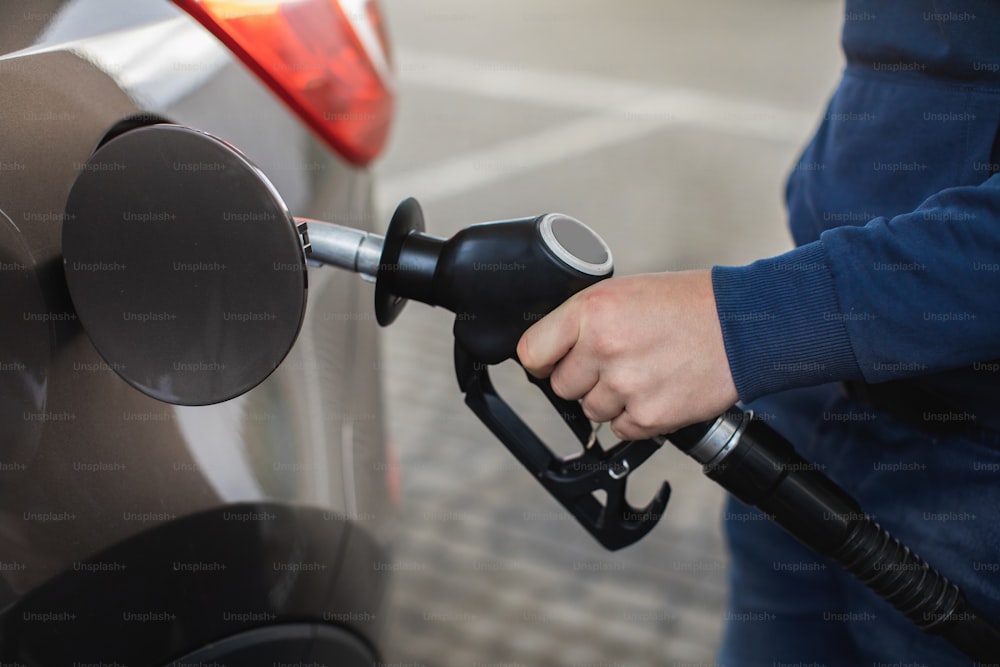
{"type": "Point", "coordinates": [668, 127]}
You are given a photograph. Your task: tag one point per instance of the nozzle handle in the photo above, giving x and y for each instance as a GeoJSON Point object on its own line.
{"type": "Point", "coordinates": [571, 480]}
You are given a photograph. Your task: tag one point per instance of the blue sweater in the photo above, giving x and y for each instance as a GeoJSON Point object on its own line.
{"type": "Point", "coordinates": [895, 209]}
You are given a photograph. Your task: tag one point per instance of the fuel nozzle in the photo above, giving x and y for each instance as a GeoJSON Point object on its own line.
{"type": "Point", "coordinates": [498, 278]}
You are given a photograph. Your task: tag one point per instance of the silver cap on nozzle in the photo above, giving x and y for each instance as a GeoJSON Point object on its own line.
{"type": "Point", "coordinates": [576, 244]}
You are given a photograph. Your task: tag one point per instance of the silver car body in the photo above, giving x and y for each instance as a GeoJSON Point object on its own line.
{"type": "Point", "coordinates": [86, 461]}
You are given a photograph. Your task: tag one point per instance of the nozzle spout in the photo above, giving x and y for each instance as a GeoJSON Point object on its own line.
{"type": "Point", "coordinates": [344, 247]}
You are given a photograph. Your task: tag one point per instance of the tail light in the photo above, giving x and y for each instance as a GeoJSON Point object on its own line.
{"type": "Point", "coordinates": [328, 60]}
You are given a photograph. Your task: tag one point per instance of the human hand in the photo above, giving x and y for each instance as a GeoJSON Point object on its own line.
{"type": "Point", "coordinates": [644, 352]}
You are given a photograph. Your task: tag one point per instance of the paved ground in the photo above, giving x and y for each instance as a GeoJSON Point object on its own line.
{"type": "Point", "coordinates": [668, 127]}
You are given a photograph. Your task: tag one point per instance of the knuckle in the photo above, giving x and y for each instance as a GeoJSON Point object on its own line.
{"type": "Point", "coordinates": [617, 383]}
{"type": "Point", "coordinates": [606, 346]}
{"type": "Point", "coordinates": [645, 417]}
{"type": "Point", "coordinates": [589, 412]}
{"type": "Point", "coordinates": [558, 383]}
{"type": "Point", "coordinates": [596, 297]}
{"type": "Point", "coordinates": [594, 411]}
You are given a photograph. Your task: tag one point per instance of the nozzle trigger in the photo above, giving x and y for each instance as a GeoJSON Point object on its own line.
{"type": "Point", "coordinates": [570, 480]}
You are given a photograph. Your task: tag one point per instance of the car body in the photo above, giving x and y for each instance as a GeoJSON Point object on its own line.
{"type": "Point", "coordinates": [136, 532]}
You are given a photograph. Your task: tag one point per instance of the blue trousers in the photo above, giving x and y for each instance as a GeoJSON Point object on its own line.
{"type": "Point", "coordinates": [940, 495]}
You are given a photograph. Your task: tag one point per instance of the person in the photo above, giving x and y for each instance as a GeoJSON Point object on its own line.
{"type": "Point", "coordinates": [873, 346]}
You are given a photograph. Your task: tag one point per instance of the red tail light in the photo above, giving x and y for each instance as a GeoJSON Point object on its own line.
{"type": "Point", "coordinates": [328, 59]}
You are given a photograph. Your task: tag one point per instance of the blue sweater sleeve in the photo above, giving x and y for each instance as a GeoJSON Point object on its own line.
{"type": "Point", "coordinates": [900, 297]}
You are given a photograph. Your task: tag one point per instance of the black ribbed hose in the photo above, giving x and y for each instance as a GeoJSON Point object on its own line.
{"type": "Point", "coordinates": [761, 468]}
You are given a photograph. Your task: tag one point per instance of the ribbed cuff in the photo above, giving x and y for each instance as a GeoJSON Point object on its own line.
{"type": "Point", "coordinates": [782, 324]}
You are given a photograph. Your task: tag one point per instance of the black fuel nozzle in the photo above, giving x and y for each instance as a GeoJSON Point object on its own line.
{"type": "Point", "coordinates": [499, 278]}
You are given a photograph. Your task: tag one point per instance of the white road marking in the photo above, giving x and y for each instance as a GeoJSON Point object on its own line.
{"type": "Point", "coordinates": [618, 112]}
